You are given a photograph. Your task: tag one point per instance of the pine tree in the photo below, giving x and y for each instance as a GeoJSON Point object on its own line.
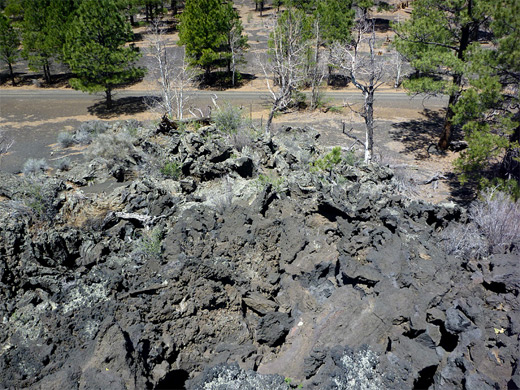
{"type": "Point", "coordinates": [43, 32]}
{"type": "Point", "coordinates": [96, 49]}
{"type": "Point", "coordinates": [204, 30]}
{"type": "Point", "coordinates": [36, 46]}
{"type": "Point", "coordinates": [336, 19]}
{"type": "Point", "coordinates": [9, 43]}
{"type": "Point", "coordinates": [488, 107]}
{"type": "Point", "coordinates": [436, 40]}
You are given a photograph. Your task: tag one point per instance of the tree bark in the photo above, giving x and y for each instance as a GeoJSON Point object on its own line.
{"type": "Point", "coordinates": [108, 94]}
{"type": "Point", "coordinates": [47, 73]}
{"type": "Point", "coordinates": [445, 138]}
{"type": "Point", "coordinates": [369, 124]}
{"type": "Point", "coordinates": [269, 120]}
{"type": "Point", "coordinates": [467, 32]}
{"type": "Point", "coordinates": [510, 167]}
{"type": "Point", "coordinates": [315, 74]}
{"type": "Point", "coordinates": [11, 73]}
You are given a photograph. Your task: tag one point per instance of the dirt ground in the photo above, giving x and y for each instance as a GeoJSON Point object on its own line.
{"type": "Point", "coordinates": [402, 135]}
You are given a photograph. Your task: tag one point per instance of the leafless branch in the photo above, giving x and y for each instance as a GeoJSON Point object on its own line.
{"type": "Point", "coordinates": [366, 69]}
{"type": "Point", "coordinates": [285, 62]}
{"type": "Point", "coordinates": [173, 79]}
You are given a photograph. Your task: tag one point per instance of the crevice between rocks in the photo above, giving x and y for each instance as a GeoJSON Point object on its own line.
{"type": "Point", "coordinates": [175, 379]}
{"type": "Point", "coordinates": [425, 378]}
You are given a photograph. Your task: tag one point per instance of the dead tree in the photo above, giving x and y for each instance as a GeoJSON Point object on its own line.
{"type": "Point", "coordinates": [317, 71]}
{"type": "Point", "coordinates": [173, 76]}
{"type": "Point", "coordinates": [367, 70]}
{"type": "Point", "coordinates": [287, 57]}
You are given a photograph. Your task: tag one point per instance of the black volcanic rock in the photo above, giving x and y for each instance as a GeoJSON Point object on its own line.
{"type": "Point", "coordinates": [229, 280]}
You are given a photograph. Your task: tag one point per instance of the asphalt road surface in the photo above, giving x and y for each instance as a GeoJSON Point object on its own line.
{"type": "Point", "coordinates": [33, 118]}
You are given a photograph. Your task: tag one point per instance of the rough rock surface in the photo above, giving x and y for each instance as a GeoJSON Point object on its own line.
{"type": "Point", "coordinates": [250, 271]}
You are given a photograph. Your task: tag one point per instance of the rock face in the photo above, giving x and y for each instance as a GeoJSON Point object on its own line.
{"type": "Point", "coordinates": [251, 271]}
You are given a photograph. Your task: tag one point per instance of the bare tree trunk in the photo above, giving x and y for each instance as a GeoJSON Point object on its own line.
{"type": "Point", "coordinates": [369, 124]}
{"type": "Point", "coordinates": [316, 77]}
{"type": "Point", "coordinates": [233, 64]}
{"type": "Point", "coordinates": [367, 72]}
{"type": "Point", "coordinates": [398, 67]}
{"type": "Point", "coordinates": [270, 119]}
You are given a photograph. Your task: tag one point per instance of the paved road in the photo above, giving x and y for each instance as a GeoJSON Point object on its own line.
{"type": "Point", "coordinates": [70, 98]}
{"type": "Point", "coordinates": [35, 117]}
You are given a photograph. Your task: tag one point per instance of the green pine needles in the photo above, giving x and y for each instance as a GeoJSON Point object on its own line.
{"type": "Point", "coordinates": [96, 50]}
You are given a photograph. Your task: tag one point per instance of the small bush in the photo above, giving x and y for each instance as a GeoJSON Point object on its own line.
{"type": "Point", "coordinates": [171, 170]}
{"type": "Point", "coordinates": [87, 131]}
{"type": "Point", "coordinates": [150, 244]}
{"type": "Point", "coordinates": [464, 241]}
{"type": "Point", "coordinates": [277, 183]}
{"type": "Point", "coordinates": [33, 166]}
{"type": "Point", "coordinates": [498, 218]}
{"type": "Point", "coordinates": [229, 119]}
{"type": "Point", "coordinates": [66, 139]}
{"type": "Point", "coordinates": [63, 164]}
{"type": "Point", "coordinates": [94, 127]}
{"type": "Point", "coordinates": [82, 137]}
{"type": "Point", "coordinates": [405, 183]}
{"type": "Point", "coordinates": [224, 198]}
{"type": "Point", "coordinates": [39, 199]}
{"type": "Point", "coordinates": [328, 161]}
{"type": "Point", "coordinates": [112, 147]}
{"type": "Point", "coordinates": [242, 139]}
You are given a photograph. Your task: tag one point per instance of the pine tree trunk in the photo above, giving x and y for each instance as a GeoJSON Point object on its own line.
{"type": "Point", "coordinates": [47, 73]}
{"type": "Point", "coordinates": [108, 94]}
{"type": "Point", "coordinates": [445, 139]}
{"type": "Point", "coordinates": [510, 167]}
{"type": "Point", "coordinates": [11, 73]}
{"type": "Point", "coordinates": [466, 34]}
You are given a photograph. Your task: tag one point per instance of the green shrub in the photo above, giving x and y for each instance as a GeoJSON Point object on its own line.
{"type": "Point", "coordinates": [171, 170]}
{"type": "Point", "coordinates": [229, 119]}
{"type": "Point", "coordinates": [270, 179]}
{"type": "Point", "coordinates": [328, 161]}
{"type": "Point", "coordinates": [150, 244]}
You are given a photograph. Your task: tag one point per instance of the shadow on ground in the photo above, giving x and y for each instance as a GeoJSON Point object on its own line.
{"type": "Point", "coordinates": [418, 134]}
{"type": "Point", "coordinates": [419, 137]}
{"type": "Point", "coordinates": [58, 80]}
{"type": "Point", "coordinates": [124, 106]}
{"type": "Point", "coordinates": [220, 81]}
{"type": "Point", "coordinates": [463, 194]}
